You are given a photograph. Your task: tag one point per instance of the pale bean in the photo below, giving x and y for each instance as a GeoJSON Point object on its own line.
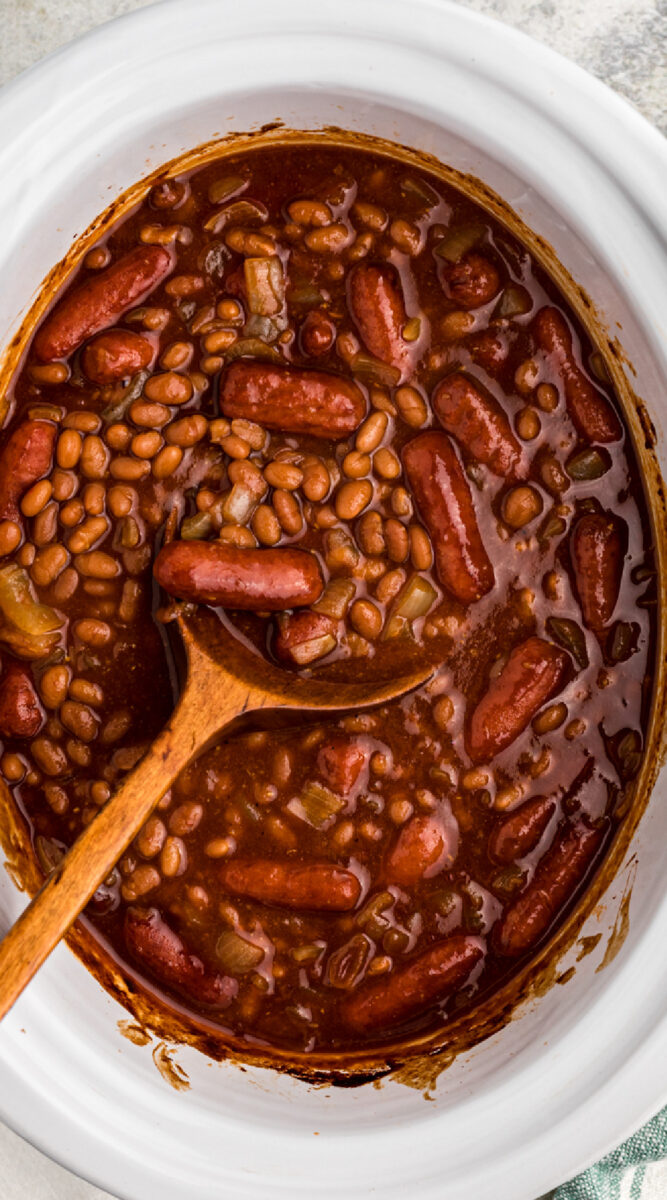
{"type": "Point", "coordinates": [386, 463]}
{"type": "Point", "coordinates": [87, 534]}
{"type": "Point", "coordinates": [36, 498]}
{"type": "Point", "coordinates": [173, 857]}
{"type": "Point", "coordinates": [366, 618]}
{"type": "Point", "coordinates": [92, 631]}
{"type": "Point", "coordinates": [521, 506]}
{"type": "Point", "coordinates": [65, 585]}
{"type": "Point", "coordinates": [187, 431]}
{"type": "Point", "coordinates": [370, 534]}
{"type": "Point", "coordinates": [68, 449]}
{"type": "Point", "coordinates": [94, 459]}
{"type": "Point", "coordinates": [49, 373]}
{"type": "Point", "coordinates": [185, 818]}
{"type": "Point", "coordinates": [396, 537]}
{"type": "Point", "coordinates": [219, 340]}
{"type": "Point", "coordinates": [116, 727]}
{"type": "Point", "coordinates": [356, 465]}
{"type": "Point", "coordinates": [141, 881]}
{"type": "Point", "coordinates": [316, 482]}
{"type": "Point", "coordinates": [10, 537]}
{"type": "Point", "coordinates": [146, 445]}
{"type": "Point", "coordinates": [475, 779]}
{"type": "Point", "coordinates": [371, 432]}
{"type": "Point", "coordinates": [218, 429]}
{"type": "Point", "coordinates": [330, 240]}
{"type": "Point", "coordinates": [220, 847]}
{"type": "Point", "coordinates": [550, 718]}
{"type": "Point", "coordinates": [151, 838]}
{"type": "Point", "coordinates": [411, 406]}
{"type": "Point", "coordinates": [148, 415]}
{"type": "Point", "coordinates": [86, 692]}
{"type": "Point", "coordinates": [49, 756]}
{"type": "Point", "coordinates": [287, 510]}
{"type": "Point", "coordinates": [53, 685]}
{"type": "Point", "coordinates": [121, 499]}
{"type": "Point", "coordinates": [406, 236]}
{"type": "Point", "coordinates": [528, 424]}
{"type": "Point", "coordinates": [178, 354]}
{"type": "Point", "coordinates": [100, 792]}
{"type": "Point", "coordinates": [83, 421]}
{"type": "Point", "coordinates": [168, 388]}
{"type": "Point", "coordinates": [443, 711]}
{"type": "Point", "coordinates": [65, 484]}
{"type": "Point", "coordinates": [167, 461]}
{"type": "Point", "coordinates": [72, 513]}
{"type": "Point", "coordinates": [421, 550]}
{"type": "Point", "coordinates": [119, 436]}
{"type": "Point", "coordinates": [130, 470]}
{"type": "Point", "coordinates": [234, 446]}
{"type": "Point", "coordinates": [48, 565]}
{"type": "Point", "coordinates": [241, 470]}
{"type": "Point", "coordinates": [96, 564]}
{"type": "Point", "coordinates": [352, 498]}
{"type": "Point", "coordinates": [547, 397]}
{"type": "Point", "coordinates": [249, 243]}
{"type": "Point", "coordinates": [310, 212]}
{"type": "Point", "coordinates": [13, 768]}
{"type": "Point", "coordinates": [130, 600]}
{"type": "Point", "coordinates": [266, 526]}
{"type": "Point", "coordinates": [283, 475]}
{"type": "Point", "coordinates": [526, 376]}
{"type": "Point", "coordinates": [390, 585]}
{"type": "Point", "coordinates": [238, 535]}
{"type": "Point", "coordinates": [26, 555]}
{"type": "Point", "coordinates": [370, 215]}
{"type": "Point", "coordinates": [79, 719]}
{"type": "Point", "coordinates": [94, 498]}
{"type": "Point", "coordinates": [45, 524]}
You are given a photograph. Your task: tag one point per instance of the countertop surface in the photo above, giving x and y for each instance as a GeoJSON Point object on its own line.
{"type": "Point", "coordinates": [623, 42]}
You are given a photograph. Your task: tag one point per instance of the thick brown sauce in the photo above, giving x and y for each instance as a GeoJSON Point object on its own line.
{"type": "Point", "coordinates": [291, 996]}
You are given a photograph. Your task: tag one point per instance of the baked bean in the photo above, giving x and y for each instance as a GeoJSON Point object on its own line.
{"type": "Point", "coordinates": [386, 463]}
{"type": "Point", "coordinates": [86, 692]}
{"type": "Point", "coordinates": [79, 719]}
{"type": "Point", "coordinates": [547, 397]}
{"type": "Point", "coordinates": [352, 498]}
{"type": "Point", "coordinates": [421, 551]}
{"type": "Point", "coordinates": [151, 838]}
{"type": "Point", "coordinates": [68, 449]}
{"type": "Point", "coordinates": [266, 526]}
{"type": "Point", "coordinates": [96, 564]}
{"type": "Point", "coordinates": [186, 432]}
{"type": "Point", "coordinates": [173, 857]}
{"type": "Point", "coordinates": [118, 436]}
{"type": "Point", "coordinates": [129, 470]}
{"type": "Point", "coordinates": [370, 533]}
{"type": "Point", "coordinates": [167, 461]}
{"type": "Point", "coordinates": [121, 499]}
{"type": "Point", "coordinates": [397, 540]}
{"type": "Point", "coordinates": [390, 585]}
{"type": "Point", "coordinates": [366, 618]}
{"type": "Point", "coordinates": [83, 421]}
{"type": "Point", "coordinates": [94, 459]}
{"type": "Point", "coordinates": [528, 424]}
{"type": "Point", "coordinates": [168, 388]}
{"type": "Point", "coordinates": [93, 632]}
{"type": "Point", "coordinates": [65, 585]}
{"type": "Point", "coordinates": [152, 416]}
{"type": "Point", "coordinates": [316, 481]}
{"type": "Point", "coordinates": [310, 212]}
{"type": "Point", "coordinates": [87, 534]}
{"type": "Point", "coordinates": [48, 565]}
{"type": "Point", "coordinates": [36, 498]}
{"type": "Point", "coordinates": [330, 240]}
{"type": "Point", "coordinates": [65, 484]}
{"type": "Point", "coordinates": [287, 510]}
{"type": "Point", "coordinates": [356, 465]}
{"type": "Point", "coordinates": [10, 537]}
{"type": "Point", "coordinates": [94, 498]}
{"type": "Point", "coordinates": [521, 506]}
{"type": "Point", "coordinates": [178, 354]}
{"type": "Point", "coordinates": [49, 756]}
{"type": "Point", "coordinates": [143, 880]}
{"type": "Point", "coordinates": [146, 445]}
{"type": "Point", "coordinates": [247, 242]}
{"type": "Point", "coordinates": [372, 432]}
{"type": "Point", "coordinates": [283, 475]}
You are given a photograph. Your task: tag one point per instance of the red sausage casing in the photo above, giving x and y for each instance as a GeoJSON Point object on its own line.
{"type": "Point", "coordinates": [533, 673]}
{"type": "Point", "coordinates": [519, 832]}
{"type": "Point", "coordinates": [150, 940]}
{"type": "Point", "coordinates": [429, 976]}
{"type": "Point", "coordinates": [115, 354]}
{"type": "Point", "coordinates": [257, 580]}
{"type": "Point", "coordinates": [26, 458]}
{"type": "Point", "coordinates": [21, 714]}
{"type": "Point", "coordinates": [590, 411]}
{"type": "Point", "coordinates": [478, 423]}
{"type": "Point", "coordinates": [598, 547]}
{"type": "Point", "coordinates": [444, 501]}
{"type": "Point", "coordinates": [376, 303]}
{"type": "Point", "coordinates": [558, 873]}
{"type": "Point", "coordinates": [472, 281]}
{"type": "Point", "coordinates": [317, 886]}
{"type": "Point", "coordinates": [100, 300]}
{"type": "Point", "coordinates": [292, 400]}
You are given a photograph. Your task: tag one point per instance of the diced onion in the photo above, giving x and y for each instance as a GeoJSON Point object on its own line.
{"type": "Point", "coordinates": [317, 805]}
{"type": "Point", "coordinates": [458, 241]}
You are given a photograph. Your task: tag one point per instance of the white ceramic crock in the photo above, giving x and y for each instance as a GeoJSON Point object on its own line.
{"type": "Point", "coordinates": [586, 1064]}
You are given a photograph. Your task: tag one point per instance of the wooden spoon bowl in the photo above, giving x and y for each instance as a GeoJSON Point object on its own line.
{"type": "Point", "coordinates": [226, 685]}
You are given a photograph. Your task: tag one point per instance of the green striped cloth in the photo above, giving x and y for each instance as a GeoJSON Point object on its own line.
{"type": "Point", "coordinates": [637, 1170]}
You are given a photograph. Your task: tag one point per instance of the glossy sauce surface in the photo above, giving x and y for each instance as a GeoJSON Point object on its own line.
{"type": "Point", "coordinates": [328, 395]}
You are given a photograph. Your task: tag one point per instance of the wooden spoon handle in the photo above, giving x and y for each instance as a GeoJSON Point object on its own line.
{"type": "Point", "coordinates": [69, 887]}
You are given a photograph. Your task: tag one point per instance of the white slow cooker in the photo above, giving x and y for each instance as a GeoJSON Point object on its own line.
{"type": "Point", "coordinates": [581, 1066]}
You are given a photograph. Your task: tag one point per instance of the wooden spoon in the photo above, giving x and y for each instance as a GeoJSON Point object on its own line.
{"type": "Point", "coordinates": [226, 682]}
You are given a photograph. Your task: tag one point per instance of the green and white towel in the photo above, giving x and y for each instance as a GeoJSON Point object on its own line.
{"type": "Point", "coordinates": [637, 1170]}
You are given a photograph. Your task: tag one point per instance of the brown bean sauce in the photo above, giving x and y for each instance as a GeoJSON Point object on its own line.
{"type": "Point", "coordinates": [334, 374]}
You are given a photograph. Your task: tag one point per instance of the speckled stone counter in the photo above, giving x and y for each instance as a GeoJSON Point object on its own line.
{"type": "Point", "coordinates": [623, 42]}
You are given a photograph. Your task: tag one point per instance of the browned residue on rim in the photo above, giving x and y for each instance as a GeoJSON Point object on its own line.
{"type": "Point", "coordinates": [419, 1062]}
{"type": "Point", "coordinates": [587, 945]}
{"type": "Point", "coordinates": [134, 1033]}
{"type": "Point", "coordinates": [621, 924]}
{"type": "Point", "coordinates": [171, 1071]}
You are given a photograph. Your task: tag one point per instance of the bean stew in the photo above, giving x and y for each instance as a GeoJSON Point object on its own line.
{"type": "Point", "coordinates": [328, 395]}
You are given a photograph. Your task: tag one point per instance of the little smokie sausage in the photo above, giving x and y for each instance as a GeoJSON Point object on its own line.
{"type": "Point", "coordinates": [376, 303]}
{"type": "Point", "coordinates": [533, 673]}
{"type": "Point", "coordinates": [26, 458]}
{"type": "Point", "coordinates": [317, 886]}
{"type": "Point", "coordinates": [21, 714]}
{"type": "Point", "coordinates": [429, 976]}
{"type": "Point", "coordinates": [420, 851]}
{"type": "Point", "coordinates": [115, 354]}
{"type": "Point", "coordinates": [472, 281]}
{"type": "Point", "coordinates": [557, 875]}
{"type": "Point", "coordinates": [292, 400]}
{"type": "Point", "coordinates": [257, 580]}
{"type": "Point", "coordinates": [591, 412]}
{"type": "Point", "coordinates": [598, 548]}
{"type": "Point", "coordinates": [151, 941]}
{"type": "Point", "coordinates": [340, 761]}
{"type": "Point", "coordinates": [445, 503]}
{"type": "Point", "coordinates": [100, 300]}
{"type": "Point", "coordinates": [520, 831]}
{"type": "Point", "coordinates": [478, 423]}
